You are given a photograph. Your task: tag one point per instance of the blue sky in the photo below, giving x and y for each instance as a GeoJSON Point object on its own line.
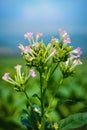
{"type": "Point", "coordinates": [20, 16]}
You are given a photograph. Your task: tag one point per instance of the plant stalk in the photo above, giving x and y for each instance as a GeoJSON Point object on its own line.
{"type": "Point", "coordinates": [27, 97]}
{"type": "Point", "coordinates": [41, 91]}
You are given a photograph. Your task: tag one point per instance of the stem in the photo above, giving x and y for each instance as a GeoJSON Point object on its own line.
{"type": "Point", "coordinates": [52, 99]}
{"type": "Point", "coordinates": [53, 70]}
{"type": "Point", "coordinates": [41, 90]}
{"type": "Point", "coordinates": [26, 94]}
{"type": "Point", "coordinates": [27, 97]}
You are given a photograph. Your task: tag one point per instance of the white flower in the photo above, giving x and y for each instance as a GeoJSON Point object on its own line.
{"type": "Point", "coordinates": [21, 47]}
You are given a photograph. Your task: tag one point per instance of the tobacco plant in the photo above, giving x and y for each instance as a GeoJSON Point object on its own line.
{"type": "Point", "coordinates": [42, 60]}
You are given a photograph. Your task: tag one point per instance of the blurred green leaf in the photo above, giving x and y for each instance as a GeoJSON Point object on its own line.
{"type": "Point", "coordinates": [63, 100]}
{"type": "Point", "coordinates": [73, 121]}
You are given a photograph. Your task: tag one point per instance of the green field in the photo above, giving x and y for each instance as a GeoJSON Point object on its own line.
{"type": "Point", "coordinates": [73, 94]}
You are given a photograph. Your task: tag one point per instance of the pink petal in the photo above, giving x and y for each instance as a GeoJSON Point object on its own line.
{"type": "Point", "coordinates": [26, 49]}
{"type": "Point", "coordinates": [32, 73]}
{"type": "Point", "coordinates": [79, 62]}
{"type": "Point", "coordinates": [28, 35]}
{"type": "Point", "coordinates": [5, 76]}
{"type": "Point", "coordinates": [39, 34]}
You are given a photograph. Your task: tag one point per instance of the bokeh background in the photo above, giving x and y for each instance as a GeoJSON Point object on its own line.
{"type": "Point", "coordinates": [20, 16]}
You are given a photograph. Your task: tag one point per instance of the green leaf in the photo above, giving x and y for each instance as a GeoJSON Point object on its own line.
{"type": "Point", "coordinates": [25, 122]}
{"type": "Point", "coordinates": [73, 121]}
{"type": "Point", "coordinates": [25, 111]}
{"type": "Point", "coordinates": [63, 100]}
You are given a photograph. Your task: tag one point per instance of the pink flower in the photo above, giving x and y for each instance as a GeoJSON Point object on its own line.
{"type": "Point", "coordinates": [67, 39]}
{"type": "Point", "coordinates": [39, 34]}
{"type": "Point", "coordinates": [62, 32]}
{"type": "Point", "coordinates": [77, 51]}
{"type": "Point", "coordinates": [28, 35]}
{"type": "Point", "coordinates": [32, 73]}
{"type": "Point", "coordinates": [79, 62]}
{"type": "Point", "coordinates": [5, 76]}
{"type": "Point", "coordinates": [26, 49]}
{"type": "Point", "coordinates": [54, 50]}
{"type": "Point", "coordinates": [73, 56]}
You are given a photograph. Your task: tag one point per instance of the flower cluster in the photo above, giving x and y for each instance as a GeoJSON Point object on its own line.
{"type": "Point", "coordinates": [20, 79]}
{"type": "Point", "coordinates": [58, 51]}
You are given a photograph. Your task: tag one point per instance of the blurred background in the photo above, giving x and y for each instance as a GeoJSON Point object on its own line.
{"type": "Point", "coordinates": [21, 16]}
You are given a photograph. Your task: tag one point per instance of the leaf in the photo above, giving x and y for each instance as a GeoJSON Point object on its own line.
{"type": "Point", "coordinates": [25, 111]}
{"type": "Point", "coordinates": [73, 121]}
{"type": "Point", "coordinates": [35, 95]}
{"type": "Point", "coordinates": [62, 101]}
{"type": "Point", "coordinates": [25, 122]}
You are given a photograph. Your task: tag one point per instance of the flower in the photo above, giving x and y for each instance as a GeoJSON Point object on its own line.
{"type": "Point", "coordinates": [32, 73]}
{"type": "Point", "coordinates": [8, 79]}
{"type": "Point", "coordinates": [74, 64]}
{"type": "Point", "coordinates": [17, 67]}
{"type": "Point", "coordinates": [36, 110]}
{"type": "Point", "coordinates": [18, 71]}
{"type": "Point", "coordinates": [67, 39]}
{"type": "Point", "coordinates": [39, 34]}
{"type": "Point", "coordinates": [26, 49]}
{"type": "Point", "coordinates": [63, 33]}
{"type": "Point", "coordinates": [73, 56]}
{"type": "Point", "coordinates": [5, 76]}
{"type": "Point", "coordinates": [79, 62]}
{"type": "Point", "coordinates": [28, 35]}
{"type": "Point", "coordinates": [36, 46]}
{"type": "Point", "coordinates": [55, 40]}
{"type": "Point", "coordinates": [54, 50]}
{"type": "Point", "coordinates": [77, 51]}
{"type": "Point", "coordinates": [21, 47]}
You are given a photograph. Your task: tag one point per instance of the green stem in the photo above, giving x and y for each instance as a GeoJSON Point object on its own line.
{"type": "Point", "coordinates": [43, 85]}
{"type": "Point", "coordinates": [27, 97]}
{"type": "Point", "coordinates": [41, 90]}
{"type": "Point", "coordinates": [52, 99]}
{"type": "Point", "coordinates": [26, 94]}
